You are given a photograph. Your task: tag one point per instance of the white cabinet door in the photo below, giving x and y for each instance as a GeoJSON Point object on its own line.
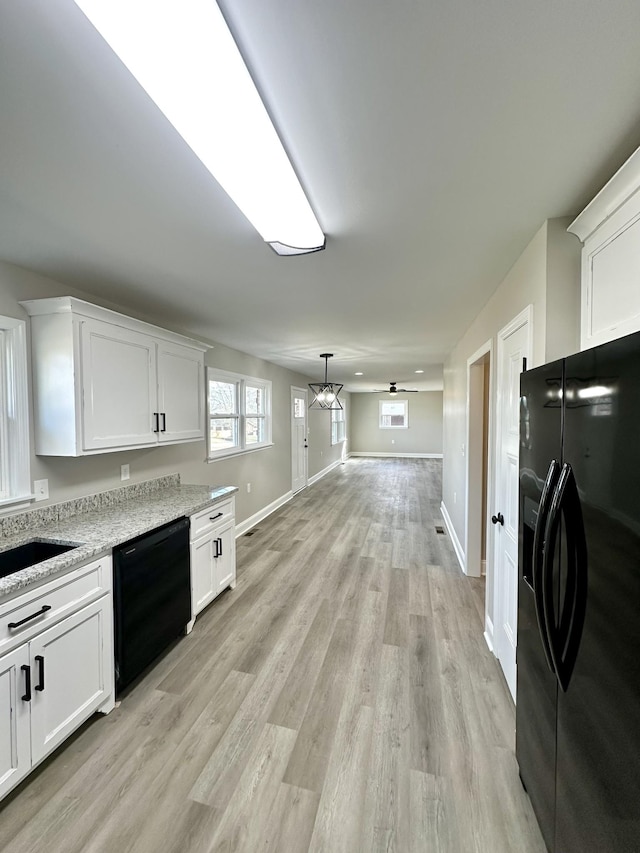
{"type": "Point", "coordinates": [119, 387]}
{"type": "Point", "coordinates": [225, 564]}
{"type": "Point", "coordinates": [203, 585]}
{"type": "Point", "coordinates": [72, 666]}
{"type": "Point", "coordinates": [15, 752]}
{"type": "Point", "coordinates": [180, 392]}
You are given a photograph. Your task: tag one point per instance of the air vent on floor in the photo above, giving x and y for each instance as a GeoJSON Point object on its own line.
{"type": "Point", "coordinates": [439, 529]}
{"type": "Point", "coordinates": [251, 532]}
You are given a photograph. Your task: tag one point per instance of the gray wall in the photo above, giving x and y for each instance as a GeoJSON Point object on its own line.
{"type": "Point", "coordinates": [424, 434]}
{"type": "Point", "coordinates": [547, 276]}
{"type": "Point", "coordinates": [268, 470]}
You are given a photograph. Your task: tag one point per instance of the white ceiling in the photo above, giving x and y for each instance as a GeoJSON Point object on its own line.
{"type": "Point", "coordinates": [432, 138]}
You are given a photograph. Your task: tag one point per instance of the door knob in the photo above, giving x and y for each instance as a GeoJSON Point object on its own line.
{"type": "Point", "coordinates": [498, 519]}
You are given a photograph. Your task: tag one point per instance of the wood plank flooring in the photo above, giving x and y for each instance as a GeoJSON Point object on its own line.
{"type": "Point", "coordinates": [341, 698]}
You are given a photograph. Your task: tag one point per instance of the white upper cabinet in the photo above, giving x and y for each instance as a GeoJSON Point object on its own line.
{"type": "Point", "coordinates": [105, 382]}
{"type": "Point", "coordinates": [609, 228]}
{"type": "Point", "coordinates": [180, 392]}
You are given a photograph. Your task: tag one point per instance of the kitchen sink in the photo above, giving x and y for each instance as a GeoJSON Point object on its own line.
{"type": "Point", "coordinates": [29, 554]}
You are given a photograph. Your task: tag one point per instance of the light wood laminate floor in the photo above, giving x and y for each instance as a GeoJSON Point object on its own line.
{"type": "Point", "coordinates": [341, 698]}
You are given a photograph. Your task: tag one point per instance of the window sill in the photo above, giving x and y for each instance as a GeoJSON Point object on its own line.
{"type": "Point", "coordinates": [229, 454]}
{"type": "Point", "coordinates": [16, 503]}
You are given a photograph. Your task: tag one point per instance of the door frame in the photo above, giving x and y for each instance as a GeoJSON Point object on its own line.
{"type": "Point", "coordinates": [297, 391]}
{"type": "Point", "coordinates": [524, 318]}
{"type": "Point", "coordinates": [475, 417]}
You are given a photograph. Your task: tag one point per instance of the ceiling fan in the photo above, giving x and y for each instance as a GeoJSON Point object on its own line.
{"type": "Point", "coordinates": [393, 389]}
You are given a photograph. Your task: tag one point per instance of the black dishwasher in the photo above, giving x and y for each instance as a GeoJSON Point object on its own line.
{"type": "Point", "coordinates": [152, 596]}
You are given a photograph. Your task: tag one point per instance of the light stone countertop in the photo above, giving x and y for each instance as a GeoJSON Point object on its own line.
{"type": "Point", "coordinates": [100, 530]}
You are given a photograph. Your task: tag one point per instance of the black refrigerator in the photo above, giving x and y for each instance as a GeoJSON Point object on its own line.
{"type": "Point", "coordinates": [578, 652]}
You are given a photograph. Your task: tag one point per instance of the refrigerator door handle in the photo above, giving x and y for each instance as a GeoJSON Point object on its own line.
{"type": "Point", "coordinates": [565, 638]}
{"type": "Point", "coordinates": [538, 566]}
{"type": "Point", "coordinates": [575, 598]}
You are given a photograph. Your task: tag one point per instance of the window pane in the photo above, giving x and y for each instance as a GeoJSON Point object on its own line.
{"type": "Point", "coordinates": [394, 415]}
{"type": "Point", "coordinates": [223, 433]}
{"type": "Point", "coordinates": [254, 400]}
{"type": "Point", "coordinates": [298, 407]}
{"type": "Point", "coordinates": [254, 431]}
{"type": "Point", "coordinates": [222, 397]}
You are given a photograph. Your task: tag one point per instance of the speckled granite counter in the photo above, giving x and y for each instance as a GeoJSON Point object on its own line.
{"type": "Point", "coordinates": [99, 523]}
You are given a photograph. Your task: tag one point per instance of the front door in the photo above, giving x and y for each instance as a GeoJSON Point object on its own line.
{"type": "Point", "coordinates": [298, 439]}
{"type": "Point", "coordinates": [514, 344]}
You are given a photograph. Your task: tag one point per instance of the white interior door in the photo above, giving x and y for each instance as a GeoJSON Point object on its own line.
{"type": "Point", "coordinates": [514, 344]}
{"type": "Point", "coordinates": [298, 439]}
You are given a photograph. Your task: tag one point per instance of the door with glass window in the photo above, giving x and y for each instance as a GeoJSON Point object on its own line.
{"type": "Point", "coordinates": [298, 439]}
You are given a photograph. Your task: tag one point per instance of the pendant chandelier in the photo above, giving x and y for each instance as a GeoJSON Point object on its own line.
{"type": "Point", "coordinates": [325, 393]}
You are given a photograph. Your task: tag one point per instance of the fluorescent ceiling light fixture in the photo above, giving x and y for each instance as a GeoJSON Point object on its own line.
{"type": "Point", "coordinates": [184, 56]}
{"type": "Point", "coordinates": [419, 371]}
{"type": "Point", "coordinates": [358, 374]}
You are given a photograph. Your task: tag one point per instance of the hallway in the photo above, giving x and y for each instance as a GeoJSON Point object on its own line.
{"type": "Point", "coordinates": [342, 698]}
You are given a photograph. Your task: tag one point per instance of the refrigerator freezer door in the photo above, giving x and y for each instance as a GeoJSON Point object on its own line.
{"type": "Point", "coordinates": [540, 443]}
{"type": "Point", "coordinates": [598, 743]}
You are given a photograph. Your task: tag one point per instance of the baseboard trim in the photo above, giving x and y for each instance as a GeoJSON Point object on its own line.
{"type": "Point", "coordinates": [457, 547]}
{"type": "Point", "coordinates": [324, 472]}
{"type": "Point", "coordinates": [488, 634]}
{"type": "Point", "coordinates": [397, 455]}
{"type": "Point", "coordinates": [259, 516]}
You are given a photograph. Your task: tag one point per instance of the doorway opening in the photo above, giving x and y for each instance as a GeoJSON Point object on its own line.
{"type": "Point", "coordinates": [478, 468]}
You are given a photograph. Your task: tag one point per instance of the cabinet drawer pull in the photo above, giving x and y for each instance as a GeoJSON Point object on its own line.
{"type": "Point", "coordinates": [218, 515]}
{"type": "Point", "coordinates": [156, 415]}
{"type": "Point", "coordinates": [164, 422]}
{"type": "Point", "coordinates": [216, 555]}
{"type": "Point", "coordinates": [40, 684]}
{"type": "Point", "coordinates": [220, 541]}
{"type": "Point", "coordinates": [42, 610]}
{"type": "Point", "coordinates": [27, 682]}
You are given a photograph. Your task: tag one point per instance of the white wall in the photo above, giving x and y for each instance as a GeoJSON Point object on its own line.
{"type": "Point", "coordinates": [424, 434]}
{"type": "Point", "coordinates": [547, 276]}
{"type": "Point", "coordinates": [268, 470]}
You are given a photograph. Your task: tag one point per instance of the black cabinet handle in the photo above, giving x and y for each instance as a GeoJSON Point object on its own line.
{"type": "Point", "coordinates": [213, 517]}
{"type": "Point", "coordinates": [40, 684]}
{"type": "Point", "coordinates": [27, 682]}
{"type": "Point", "coordinates": [42, 610]}
{"type": "Point", "coordinates": [164, 422]}
{"type": "Point", "coordinates": [220, 541]}
{"type": "Point", "coordinates": [157, 418]}
{"type": "Point", "coordinates": [498, 519]}
{"type": "Point", "coordinates": [215, 542]}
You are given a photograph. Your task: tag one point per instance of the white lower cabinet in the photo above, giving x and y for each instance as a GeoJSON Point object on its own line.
{"type": "Point", "coordinates": [55, 680]}
{"type": "Point", "coordinates": [71, 677]}
{"type": "Point", "coordinates": [213, 554]}
{"type": "Point", "coordinates": [15, 737]}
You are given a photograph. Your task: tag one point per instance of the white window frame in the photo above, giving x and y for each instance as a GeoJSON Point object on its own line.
{"type": "Point", "coordinates": [15, 459]}
{"type": "Point", "coordinates": [383, 403]}
{"type": "Point", "coordinates": [338, 426]}
{"type": "Point", "coordinates": [240, 381]}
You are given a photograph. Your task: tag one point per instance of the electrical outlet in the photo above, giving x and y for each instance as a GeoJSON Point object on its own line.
{"type": "Point", "coordinates": [248, 488]}
{"type": "Point", "coordinates": [41, 490]}
{"type": "Point", "coordinates": [124, 472]}
{"type": "Point", "coordinates": [393, 441]}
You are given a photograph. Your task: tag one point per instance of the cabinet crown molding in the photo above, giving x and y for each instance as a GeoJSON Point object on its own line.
{"type": "Point", "coordinates": [616, 192]}
{"type": "Point", "coordinates": [72, 305]}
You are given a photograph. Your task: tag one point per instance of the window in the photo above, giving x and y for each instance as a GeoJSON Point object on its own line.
{"type": "Point", "coordinates": [337, 426]}
{"type": "Point", "coordinates": [14, 420]}
{"type": "Point", "coordinates": [394, 415]}
{"type": "Point", "coordinates": [239, 410]}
